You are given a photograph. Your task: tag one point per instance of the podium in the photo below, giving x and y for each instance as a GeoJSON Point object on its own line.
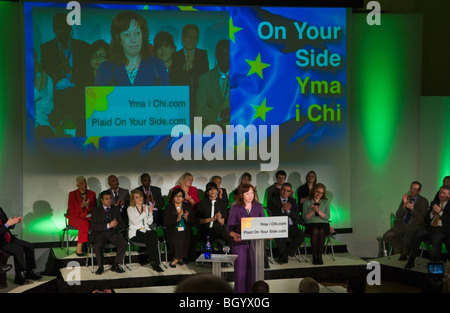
{"type": "Point", "coordinates": [260, 229]}
{"type": "Point", "coordinates": [217, 260]}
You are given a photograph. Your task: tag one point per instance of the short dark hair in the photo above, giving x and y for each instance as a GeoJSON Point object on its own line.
{"type": "Point", "coordinates": [104, 193]}
{"type": "Point", "coordinates": [176, 191]}
{"type": "Point", "coordinates": [209, 186]}
{"type": "Point", "coordinates": [280, 172]}
{"type": "Point", "coordinates": [162, 38]}
{"type": "Point", "coordinates": [188, 27]}
{"type": "Point", "coordinates": [417, 183]}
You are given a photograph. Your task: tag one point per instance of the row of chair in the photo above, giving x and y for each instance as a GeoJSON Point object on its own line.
{"type": "Point", "coordinates": [162, 246]}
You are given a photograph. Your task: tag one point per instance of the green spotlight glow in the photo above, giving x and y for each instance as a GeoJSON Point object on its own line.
{"type": "Point", "coordinates": [444, 137]}
{"type": "Point", "coordinates": [379, 74]}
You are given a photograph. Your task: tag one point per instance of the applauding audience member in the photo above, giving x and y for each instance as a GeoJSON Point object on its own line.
{"type": "Point", "coordinates": [142, 229]}
{"type": "Point", "coordinates": [106, 225]}
{"type": "Point", "coordinates": [410, 215]}
{"type": "Point", "coordinates": [23, 251]}
{"type": "Point", "coordinates": [80, 204]}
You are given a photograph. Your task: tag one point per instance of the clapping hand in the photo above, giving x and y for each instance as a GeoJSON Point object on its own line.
{"type": "Point", "coordinates": [113, 223]}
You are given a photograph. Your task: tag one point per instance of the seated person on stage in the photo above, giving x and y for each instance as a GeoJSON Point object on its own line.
{"type": "Point", "coordinates": [445, 182]}
{"type": "Point", "coordinates": [178, 220]}
{"type": "Point", "coordinates": [410, 215]}
{"type": "Point", "coordinates": [437, 228]}
{"type": "Point", "coordinates": [106, 223]}
{"type": "Point", "coordinates": [305, 189]}
{"type": "Point", "coordinates": [211, 215]}
{"type": "Point", "coordinates": [4, 268]}
{"type": "Point", "coordinates": [222, 191]}
{"type": "Point", "coordinates": [152, 194]}
{"type": "Point", "coordinates": [274, 190]}
{"type": "Point", "coordinates": [23, 251]}
{"type": "Point", "coordinates": [120, 196]}
{"type": "Point", "coordinates": [80, 204]}
{"type": "Point", "coordinates": [190, 192]}
{"type": "Point", "coordinates": [316, 214]}
{"type": "Point", "coordinates": [141, 229]}
{"type": "Point", "coordinates": [285, 205]}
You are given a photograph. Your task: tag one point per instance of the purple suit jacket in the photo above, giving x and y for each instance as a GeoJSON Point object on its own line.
{"type": "Point", "coordinates": [236, 213]}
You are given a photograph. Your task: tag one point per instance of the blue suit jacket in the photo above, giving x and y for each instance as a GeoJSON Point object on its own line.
{"type": "Point", "coordinates": [151, 72]}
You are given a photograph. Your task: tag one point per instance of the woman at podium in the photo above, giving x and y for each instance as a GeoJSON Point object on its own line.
{"type": "Point", "coordinates": [244, 266]}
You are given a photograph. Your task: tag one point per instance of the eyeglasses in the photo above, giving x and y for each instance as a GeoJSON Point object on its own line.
{"type": "Point", "coordinates": [178, 196]}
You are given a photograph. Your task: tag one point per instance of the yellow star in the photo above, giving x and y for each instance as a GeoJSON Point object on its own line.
{"type": "Point", "coordinates": [186, 8]}
{"type": "Point", "coordinates": [256, 66]}
{"type": "Point", "coordinates": [233, 30]}
{"type": "Point", "coordinates": [261, 110]}
{"type": "Point", "coordinates": [93, 140]}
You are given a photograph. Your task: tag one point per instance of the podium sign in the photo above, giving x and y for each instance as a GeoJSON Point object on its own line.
{"type": "Point", "coordinates": [264, 227]}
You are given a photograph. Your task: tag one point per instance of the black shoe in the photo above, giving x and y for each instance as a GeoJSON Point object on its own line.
{"type": "Point", "coordinates": [173, 264]}
{"type": "Point", "coordinates": [157, 268]}
{"type": "Point", "coordinates": [409, 264]}
{"type": "Point", "coordinates": [319, 260]}
{"type": "Point", "coordinates": [100, 270]}
{"type": "Point", "coordinates": [80, 254]}
{"type": "Point", "coordinates": [117, 268]}
{"type": "Point", "coordinates": [5, 268]}
{"type": "Point", "coordinates": [19, 280]}
{"type": "Point", "coordinates": [33, 276]}
{"type": "Point", "coordinates": [266, 263]}
{"type": "Point", "coordinates": [315, 259]}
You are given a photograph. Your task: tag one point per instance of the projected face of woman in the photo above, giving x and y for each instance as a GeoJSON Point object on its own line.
{"type": "Point", "coordinates": [165, 52]}
{"type": "Point", "coordinates": [98, 57]}
{"type": "Point", "coordinates": [190, 39]}
{"type": "Point", "coordinates": [131, 40]}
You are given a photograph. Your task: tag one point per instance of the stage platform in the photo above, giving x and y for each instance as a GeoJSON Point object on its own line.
{"type": "Point", "coordinates": [69, 273]}
{"type": "Point", "coordinates": [142, 276]}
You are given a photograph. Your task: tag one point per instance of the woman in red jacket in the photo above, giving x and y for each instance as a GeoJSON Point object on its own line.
{"type": "Point", "coordinates": [81, 203]}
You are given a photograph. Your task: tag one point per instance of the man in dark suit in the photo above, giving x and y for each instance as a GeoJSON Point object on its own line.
{"type": "Point", "coordinates": [285, 205]}
{"type": "Point", "coordinates": [410, 216]}
{"type": "Point", "coordinates": [120, 196]}
{"type": "Point", "coordinates": [437, 228]}
{"type": "Point", "coordinates": [23, 251]}
{"type": "Point", "coordinates": [152, 192]}
{"type": "Point", "coordinates": [67, 61]}
{"type": "Point", "coordinates": [213, 94]}
{"type": "Point", "coordinates": [190, 62]}
{"type": "Point", "coordinates": [106, 222]}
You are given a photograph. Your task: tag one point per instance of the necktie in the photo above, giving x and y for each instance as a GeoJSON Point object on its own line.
{"type": "Point", "coordinates": [212, 213]}
{"type": "Point", "coordinates": [116, 196]}
{"type": "Point", "coordinates": [225, 88]}
{"type": "Point", "coordinates": [7, 234]}
{"type": "Point", "coordinates": [407, 216]}
{"type": "Point", "coordinates": [436, 218]}
{"type": "Point", "coordinates": [108, 214]}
